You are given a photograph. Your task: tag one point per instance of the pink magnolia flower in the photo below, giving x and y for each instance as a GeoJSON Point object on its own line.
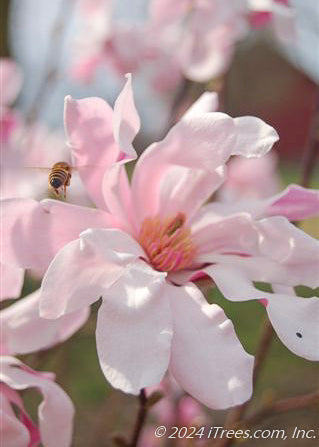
{"type": "Point", "coordinates": [255, 178]}
{"type": "Point", "coordinates": [23, 330]}
{"type": "Point", "coordinates": [55, 412]}
{"type": "Point", "coordinates": [148, 242]}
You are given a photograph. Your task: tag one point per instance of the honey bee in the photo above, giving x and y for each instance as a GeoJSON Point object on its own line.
{"type": "Point", "coordinates": [60, 177]}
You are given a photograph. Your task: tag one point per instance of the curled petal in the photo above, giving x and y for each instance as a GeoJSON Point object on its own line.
{"type": "Point", "coordinates": [134, 330]}
{"type": "Point", "coordinates": [295, 203]}
{"type": "Point", "coordinates": [254, 137]}
{"type": "Point", "coordinates": [88, 126]}
{"type": "Point", "coordinates": [55, 411]}
{"type": "Point", "coordinates": [295, 321]}
{"type": "Point", "coordinates": [126, 122]}
{"type": "Point", "coordinates": [207, 358]}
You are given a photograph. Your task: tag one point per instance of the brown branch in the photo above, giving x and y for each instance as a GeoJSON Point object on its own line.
{"type": "Point", "coordinates": [140, 420]}
{"type": "Point", "coordinates": [312, 150]}
{"type": "Point", "coordinates": [282, 406]}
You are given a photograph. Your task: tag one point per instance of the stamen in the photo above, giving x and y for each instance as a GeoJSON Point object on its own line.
{"type": "Point", "coordinates": [167, 243]}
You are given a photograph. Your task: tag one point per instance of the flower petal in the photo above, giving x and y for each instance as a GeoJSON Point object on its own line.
{"type": "Point", "coordinates": [126, 122]}
{"type": "Point", "coordinates": [212, 233]}
{"type": "Point", "coordinates": [55, 411]}
{"type": "Point", "coordinates": [194, 147]}
{"type": "Point", "coordinates": [84, 269]}
{"type": "Point", "coordinates": [88, 125]}
{"type": "Point", "coordinates": [11, 281]}
{"type": "Point", "coordinates": [295, 203]}
{"type": "Point", "coordinates": [254, 137]}
{"type": "Point", "coordinates": [34, 231]}
{"type": "Point", "coordinates": [117, 196]}
{"type": "Point", "coordinates": [207, 358]}
{"type": "Point", "coordinates": [24, 331]}
{"type": "Point", "coordinates": [134, 330]}
{"type": "Point", "coordinates": [285, 255]}
{"type": "Point", "coordinates": [295, 321]}
{"type": "Point", "coordinates": [13, 432]}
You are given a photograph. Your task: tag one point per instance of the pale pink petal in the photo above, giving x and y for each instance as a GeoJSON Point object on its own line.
{"type": "Point", "coordinates": [84, 269]}
{"type": "Point", "coordinates": [11, 280]}
{"type": "Point", "coordinates": [207, 102]}
{"type": "Point", "coordinates": [126, 122]}
{"type": "Point", "coordinates": [17, 427]}
{"type": "Point", "coordinates": [134, 330]}
{"type": "Point", "coordinates": [55, 411]}
{"type": "Point", "coordinates": [207, 358]}
{"type": "Point", "coordinates": [196, 146]}
{"type": "Point", "coordinates": [117, 196]}
{"type": "Point", "coordinates": [13, 432]}
{"type": "Point", "coordinates": [33, 232]}
{"type": "Point", "coordinates": [10, 80]}
{"type": "Point", "coordinates": [286, 244]}
{"type": "Point", "coordinates": [24, 331]}
{"type": "Point", "coordinates": [254, 137]}
{"type": "Point", "coordinates": [285, 255]}
{"type": "Point", "coordinates": [200, 60]}
{"type": "Point", "coordinates": [250, 178]}
{"type": "Point", "coordinates": [212, 233]}
{"type": "Point", "coordinates": [295, 203]}
{"type": "Point", "coordinates": [295, 321]}
{"type": "Point", "coordinates": [88, 125]}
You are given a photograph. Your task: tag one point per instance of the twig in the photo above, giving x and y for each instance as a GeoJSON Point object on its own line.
{"type": "Point", "coordinates": [282, 406]}
{"type": "Point", "coordinates": [140, 420]}
{"type": "Point", "coordinates": [312, 151]}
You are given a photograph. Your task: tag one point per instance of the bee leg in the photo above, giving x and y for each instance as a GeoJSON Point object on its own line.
{"type": "Point", "coordinates": [64, 191]}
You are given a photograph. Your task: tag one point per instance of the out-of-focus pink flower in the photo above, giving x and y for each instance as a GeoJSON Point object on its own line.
{"type": "Point", "coordinates": [11, 81]}
{"type": "Point", "coordinates": [55, 414]}
{"type": "Point", "coordinates": [23, 330]}
{"type": "Point", "coordinates": [150, 239]}
{"type": "Point", "coordinates": [187, 38]}
{"type": "Point", "coordinates": [255, 178]}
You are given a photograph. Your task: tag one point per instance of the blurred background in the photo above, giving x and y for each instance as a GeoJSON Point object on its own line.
{"type": "Point", "coordinates": [276, 82]}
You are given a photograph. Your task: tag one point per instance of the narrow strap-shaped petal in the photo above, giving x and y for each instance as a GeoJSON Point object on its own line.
{"type": "Point", "coordinates": [207, 358]}
{"type": "Point", "coordinates": [134, 330]}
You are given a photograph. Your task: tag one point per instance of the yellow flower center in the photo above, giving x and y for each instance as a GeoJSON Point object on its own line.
{"type": "Point", "coordinates": [167, 242]}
